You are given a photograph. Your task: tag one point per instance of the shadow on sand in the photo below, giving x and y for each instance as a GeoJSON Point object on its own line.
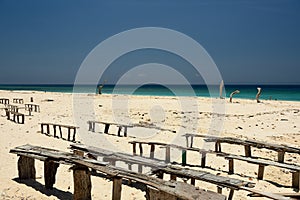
{"type": "Point", "coordinates": [41, 188]}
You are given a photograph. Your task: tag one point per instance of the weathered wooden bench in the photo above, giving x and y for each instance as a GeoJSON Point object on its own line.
{"type": "Point", "coordinates": [12, 107]}
{"type": "Point", "coordinates": [32, 107]}
{"type": "Point", "coordinates": [156, 188]}
{"type": "Point", "coordinates": [113, 157]}
{"type": "Point", "coordinates": [295, 169]}
{"type": "Point", "coordinates": [15, 116]}
{"type": "Point", "coordinates": [92, 127]}
{"type": "Point", "coordinates": [219, 181]}
{"type": "Point", "coordinates": [168, 147]}
{"type": "Point", "coordinates": [60, 126]}
{"type": "Point", "coordinates": [4, 101]}
{"type": "Point", "coordinates": [280, 149]}
{"type": "Point", "coordinates": [18, 100]}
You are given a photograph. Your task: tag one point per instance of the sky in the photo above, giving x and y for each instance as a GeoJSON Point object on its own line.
{"type": "Point", "coordinates": [251, 42]}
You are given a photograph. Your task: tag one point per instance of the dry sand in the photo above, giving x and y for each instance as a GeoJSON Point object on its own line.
{"type": "Point", "coordinates": [271, 121]}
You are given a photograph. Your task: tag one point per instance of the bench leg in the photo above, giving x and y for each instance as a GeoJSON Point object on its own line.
{"type": "Point", "coordinates": [230, 196]}
{"type": "Point", "coordinates": [247, 150]}
{"type": "Point", "coordinates": [231, 166]}
{"type": "Point", "coordinates": [125, 131]}
{"type": "Point", "coordinates": [26, 168]}
{"type": "Point", "coordinates": [93, 126]}
{"type": "Point", "coordinates": [203, 159]}
{"type": "Point", "coordinates": [90, 126]}
{"type": "Point", "coordinates": [219, 189]}
{"type": "Point", "coordinates": [48, 129]}
{"type": "Point", "coordinates": [42, 128]}
{"type": "Point", "coordinates": [134, 149]}
{"type": "Point", "coordinates": [82, 183]}
{"type": "Point", "coordinates": [281, 156]}
{"type": "Point", "coordinates": [117, 188]}
{"type": "Point", "coordinates": [141, 149]}
{"type": "Point", "coordinates": [183, 158]}
{"type": "Point", "coordinates": [173, 177]}
{"type": "Point", "coordinates": [193, 181]}
{"type": "Point", "coordinates": [152, 149]}
{"type": "Point", "coordinates": [295, 179]}
{"type": "Point", "coordinates": [168, 154]}
{"type": "Point", "coordinates": [60, 131]}
{"type": "Point", "coordinates": [106, 128]}
{"type": "Point", "coordinates": [54, 129]}
{"type": "Point", "coordinates": [69, 133]}
{"type": "Point", "coordinates": [74, 133]}
{"type": "Point", "coordinates": [50, 169]}
{"type": "Point", "coordinates": [119, 131]}
{"type": "Point", "coordinates": [261, 169]}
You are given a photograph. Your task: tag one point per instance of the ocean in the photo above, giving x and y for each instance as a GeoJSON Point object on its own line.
{"type": "Point", "coordinates": [274, 92]}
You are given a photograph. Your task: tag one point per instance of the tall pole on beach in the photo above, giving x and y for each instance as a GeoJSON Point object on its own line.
{"type": "Point", "coordinates": [221, 89]}
{"type": "Point", "coordinates": [258, 95]}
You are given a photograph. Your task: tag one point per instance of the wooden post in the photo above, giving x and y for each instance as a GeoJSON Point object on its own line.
{"type": "Point", "coordinates": [119, 131]}
{"type": "Point", "coordinates": [106, 128]}
{"type": "Point", "coordinates": [93, 125]}
{"type": "Point", "coordinates": [82, 183]}
{"type": "Point", "coordinates": [90, 125]}
{"type": "Point", "coordinates": [26, 168]}
{"type": "Point", "coordinates": [160, 174]}
{"type": "Point", "coordinates": [193, 181]}
{"type": "Point", "coordinates": [187, 140]}
{"type": "Point", "coordinates": [117, 188]}
{"type": "Point", "coordinates": [59, 127]}
{"type": "Point", "coordinates": [141, 149]}
{"type": "Point", "coordinates": [281, 156]}
{"type": "Point", "coordinates": [247, 150]}
{"type": "Point", "coordinates": [69, 132]}
{"type": "Point", "coordinates": [54, 129]}
{"type": "Point", "coordinates": [192, 141]}
{"type": "Point", "coordinates": [183, 157]}
{"type": "Point", "coordinates": [42, 128]}
{"type": "Point", "coordinates": [173, 177]}
{"type": "Point", "coordinates": [230, 196]}
{"type": "Point", "coordinates": [203, 159]}
{"type": "Point", "coordinates": [74, 133]}
{"type": "Point", "coordinates": [152, 149]}
{"type": "Point", "coordinates": [261, 169]}
{"type": "Point", "coordinates": [295, 179]}
{"type": "Point", "coordinates": [219, 189]}
{"type": "Point", "coordinates": [168, 152]}
{"type": "Point", "coordinates": [134, 149]}
{"type": "Point", "coordinates": [231, 166]}
{"type": "Point", "coordinates": [50, 169]}
{"type": "Point", "coordinates": [125, 131]}
{"type": "Point", "coordinates": [48, 129]}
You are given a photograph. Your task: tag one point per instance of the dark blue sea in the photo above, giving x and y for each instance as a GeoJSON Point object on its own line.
{"type": "Point", "coordinates": [274, 92]}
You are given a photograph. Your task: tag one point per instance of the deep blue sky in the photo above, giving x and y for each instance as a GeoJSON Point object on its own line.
{"type": "Point", "coordinates": [45, 41]}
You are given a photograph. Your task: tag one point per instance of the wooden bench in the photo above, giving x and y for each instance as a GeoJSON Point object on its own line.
{"type": "Point", "coordinates": [92, 127]}
{"type": "Point", "coordinates": [12, 107]}
{"type": "Point", "coordinates": [220, 181]}
{"type": "Point", "coordinates": [295, 169]}
{"type": "Point", "coordinates": [168, 147]}
{"type": "Point", "coordinates": [15, 116]}
{"type": "Point", "coordinates": [160, 168]}
{"type": "Point", "coordinates": [60, 126]}
{"type": "Point", "coordinates": [156, 188]}
{"type": "Point", "coordinates": [32, 107]}
{"type": "Point", "coordinates": [4, 101]}
{"type": "Point", "coordinates": [18, 100]}
{"type": "Point", "coordinates": [280, 149]}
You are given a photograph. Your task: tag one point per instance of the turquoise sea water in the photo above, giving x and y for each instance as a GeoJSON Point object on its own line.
{"type": "Point", "coordinates": [275, 92]}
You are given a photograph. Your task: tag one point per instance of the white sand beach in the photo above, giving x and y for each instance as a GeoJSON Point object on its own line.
{"type": "Point", "coordinates": [271, 121]}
